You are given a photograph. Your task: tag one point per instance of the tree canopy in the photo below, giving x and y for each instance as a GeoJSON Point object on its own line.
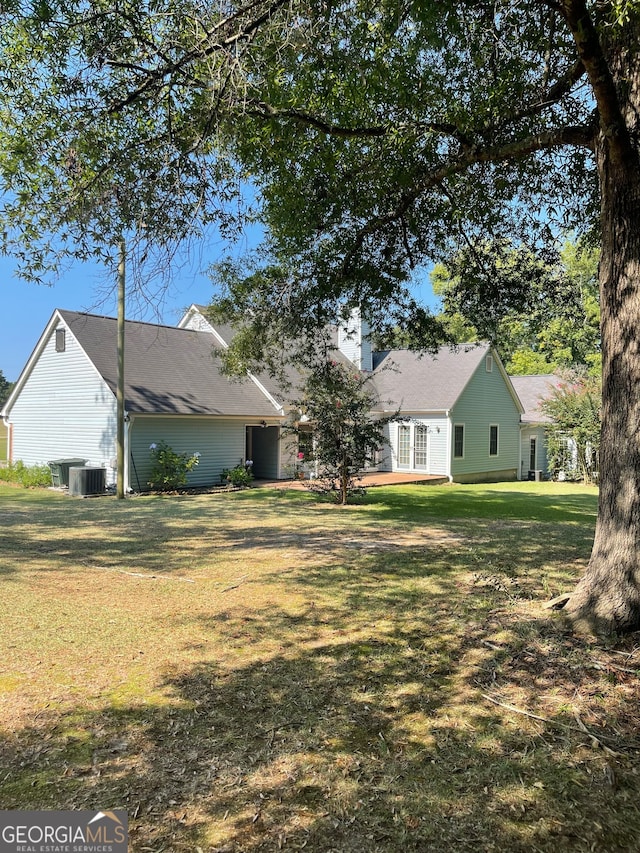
{"type": "Point", "coordinates": [377, 135]}
{"type": "Point", "coordinates": [541, 310]}
{"type": "Point", "coordinates": [5, 388]}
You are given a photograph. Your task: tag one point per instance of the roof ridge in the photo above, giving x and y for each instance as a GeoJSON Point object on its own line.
{"type": "Point", "coordinates": [66, 311]}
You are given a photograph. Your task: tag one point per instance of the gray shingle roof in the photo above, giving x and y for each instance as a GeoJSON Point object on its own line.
{"type": "Point", "coordinates": [428, 383]}
{"type": "Point", "coordinates": [531, 390]}
{"type": "Point", "coordinates": [167, 370]}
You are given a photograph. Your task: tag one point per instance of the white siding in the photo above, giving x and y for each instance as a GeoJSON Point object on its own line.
{"type": "Point", "coordinates": [64, 410]}
{"type": "Point", "coordinates": [220, 442]}
{"type": "Point", "coordinates": [542, 463]}
{"type": "Point", "coordinates": [354, 341]}
{"type": "Point", "coordinates": [438, 444]}
{"type": "Point", "coordinates": [196, 322]}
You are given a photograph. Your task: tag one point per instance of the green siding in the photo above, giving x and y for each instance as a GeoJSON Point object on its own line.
{"type": "Point", "coordinates": [220, 442]}
{"type": "Point", "coordinates": [486, 401]}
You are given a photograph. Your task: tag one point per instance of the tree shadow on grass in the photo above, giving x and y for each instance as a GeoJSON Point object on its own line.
{"type": "Point", "coordinates": [385, 743]}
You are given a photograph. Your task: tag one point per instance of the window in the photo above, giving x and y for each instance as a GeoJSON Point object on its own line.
{"type": "Point", "coordinates": [489, 363]}
{"type": "Point", "coordinates": [458, 441]}
{"type": "Point", "coordinates": [404, 446]}
{"type": "Point", "coordinates": [533, 456]}
{"type": "Point", "coordinates": [61, 340]}
{"type": "Point", "coordinates": [493, 440]}
{"type": "Point", "coordinates": [421, 446]}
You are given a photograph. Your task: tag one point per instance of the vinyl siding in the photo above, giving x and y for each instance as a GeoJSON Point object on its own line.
{"type": "Point", "coordinates": [354, 342]}
{"type": "Point", "coordinates": [64, 410]}
{"type": "Point", "coordinates": [197, 322]}
{"type": "Point", "coordinates": [487, 401]}
{"type": "Point", "coordinates": [220, 442]}
{"type": "Point", "coordinates": [438, 444]}
{"type": "Point", "coordinates": [542, 463]}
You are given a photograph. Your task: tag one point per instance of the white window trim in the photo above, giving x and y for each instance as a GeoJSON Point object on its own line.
{"type": "Point", "coordinates": [488, 363]}
{"type": "Point", "coordinates": [497, 453]}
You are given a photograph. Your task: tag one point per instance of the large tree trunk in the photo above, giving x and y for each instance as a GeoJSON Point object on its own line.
{"type": "Point", "coordinates": [607, 599]}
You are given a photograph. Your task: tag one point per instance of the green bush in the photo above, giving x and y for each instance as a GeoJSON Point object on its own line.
{"type": "Point", "coordinates": [29, 476]}
{"type": "Point", "coordinates": [238, 476]}
{"type": "Point", "coordinates": [170, 469]}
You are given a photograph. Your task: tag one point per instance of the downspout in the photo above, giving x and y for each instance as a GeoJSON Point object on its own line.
{"type": "Point", "coordinates": [519, 458]}
{"type": "Point", "coordinates": [9, 428]}
{"type": "Point", "coordinates": [128, 422]}
{"type": "Point", "coordinates": [449, 444]}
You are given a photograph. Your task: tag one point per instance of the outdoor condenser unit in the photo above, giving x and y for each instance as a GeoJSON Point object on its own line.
{"type": "Point", "coordinates": [87, 481]}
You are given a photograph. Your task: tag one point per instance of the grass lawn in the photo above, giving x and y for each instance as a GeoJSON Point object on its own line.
{"type": "Point", "coordinates": [262, 671]}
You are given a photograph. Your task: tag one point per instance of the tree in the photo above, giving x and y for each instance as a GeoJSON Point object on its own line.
{"type": "Point", "coordinates": [401, 131]}
{"type": "Point", "coordinates": [379, 135]}
{"type": "Point", "coordinates": [5, 389]}
{"type": "Point", "coordinates": [540, 309]}
{"type": "Point", "coordinates": [339, 434]}
{"type": "Point", "coordinates": [574, 407]}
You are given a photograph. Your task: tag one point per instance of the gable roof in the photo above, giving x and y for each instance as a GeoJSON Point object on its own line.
{"type": "Point", "coordinates": [168, 370]}
{"type": "Point", "coordinates": [532, 390]}
{"type": "Point", "coordinates": [416, 382]}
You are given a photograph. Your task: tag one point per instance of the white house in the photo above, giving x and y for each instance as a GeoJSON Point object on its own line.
{"type": "Point", "coordinates": [461, 415]}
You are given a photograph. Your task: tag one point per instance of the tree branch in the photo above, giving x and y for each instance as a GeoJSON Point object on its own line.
{"type": "Point", "coordinates": [580, 136]}
{"type": "Point", "coordinates": [590, 51]}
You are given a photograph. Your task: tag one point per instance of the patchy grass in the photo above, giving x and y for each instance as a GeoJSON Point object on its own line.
{"type": "Point", "coordinates": [262, 671]}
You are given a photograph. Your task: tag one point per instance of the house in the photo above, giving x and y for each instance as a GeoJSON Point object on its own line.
{"type": "Point", "coordinates": [64, 402]}
{"type": "Point", "coordinates": [532, 390]}
{"type": "Point", "coordinates": [460, 413]}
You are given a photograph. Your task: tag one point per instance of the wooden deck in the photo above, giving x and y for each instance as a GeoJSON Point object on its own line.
{"type": "Point", "coordinates": [375, 478]}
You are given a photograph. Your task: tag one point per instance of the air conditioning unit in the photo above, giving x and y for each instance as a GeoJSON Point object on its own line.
{"type": "Point", "coordinates": [87, 481]}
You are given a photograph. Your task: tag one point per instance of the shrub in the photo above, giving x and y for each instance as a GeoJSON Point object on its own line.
{"type": "Point", "coordinates": [170, 469]}
{"type": "Point", "coordinates": [238, 476]}
{"type": "Point", "coordinates": [29, 476]}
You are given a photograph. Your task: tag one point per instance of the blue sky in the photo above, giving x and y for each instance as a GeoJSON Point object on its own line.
{"type": "Point", "coordinates": [27, 307]}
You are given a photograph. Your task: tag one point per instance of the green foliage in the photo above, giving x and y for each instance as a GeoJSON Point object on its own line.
{"type": "Point", "coordinates": [170, 469]}
{"type": "Point", "coordinates": [5, 388]}
{"type": "Point", "coordinates": [541, 310]}
{"type": "Point", "coordinates": [241, 476]}
{"type": "Point", "coordinates": [339, 434]}
{"type": "Point", "coordinates": [376, 135]}
{"type": "Point", "coordinates": [29, 476]}
{"type": "Point", "coordinates": [575, 407]}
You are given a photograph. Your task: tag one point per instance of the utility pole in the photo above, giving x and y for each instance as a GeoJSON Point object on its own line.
{"type": "Point", "coordinates": [120, 389]}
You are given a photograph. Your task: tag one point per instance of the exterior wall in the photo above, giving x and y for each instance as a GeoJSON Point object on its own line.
{"type": "Point", "coordinates": [197, 322]}
{"type": "Point", "coordinates": [437, 448]}
{"type": "Point", "coordinates": [64, 410]}
{"type": "Point", "coordinates": [219, 441]}
{"type": "Point", "coordinates": [354, 341]}
{"type": "Point", "coordinates": [288, 450]}
{"type": "Point", "coordinates": [486, 401]}
{"type": "Point", "coordinates": [542, 463]}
